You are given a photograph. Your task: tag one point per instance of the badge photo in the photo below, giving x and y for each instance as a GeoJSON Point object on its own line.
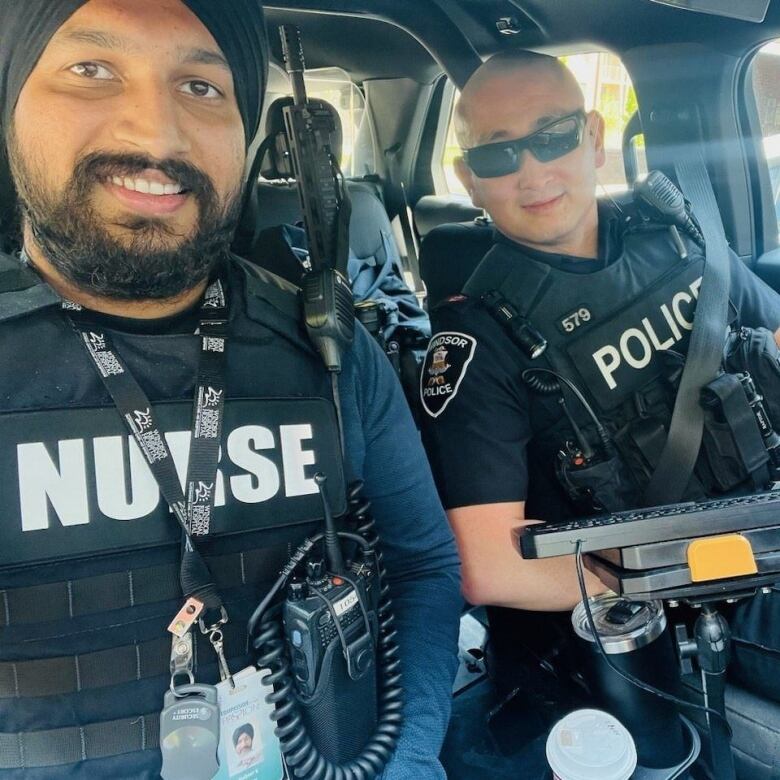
{"type": "Point", "coordinates": [448, 357]}
{"type": "Point", "coordinates": [248, 747]}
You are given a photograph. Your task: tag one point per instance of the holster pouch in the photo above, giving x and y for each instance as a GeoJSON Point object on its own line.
{"type": "Point", "coordinates": [641, 442]}
{"type": "Point", "coordinates": [755, 350]}
{"type": "Point", "coordinates": [733, 451]}
{"type": "Point", "coordinates": [601, 485]}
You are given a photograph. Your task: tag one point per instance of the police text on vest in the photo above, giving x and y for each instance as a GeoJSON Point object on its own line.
{"type": "Point", "coordinates": [637, 344]}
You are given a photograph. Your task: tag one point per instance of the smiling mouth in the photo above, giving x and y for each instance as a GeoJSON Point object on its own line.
{"type": "Point", "coordinates": [151, 194]}
{"type": "Point", "coordinates": [145, 186]}
{"type": "Point", "coordinates": [543, 204]}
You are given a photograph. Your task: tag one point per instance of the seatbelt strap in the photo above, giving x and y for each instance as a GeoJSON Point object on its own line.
{"type": "Point", "coordinates": [400, 205]}
{"type": "Point", "coordinates": [675, 466]}
{"type": "Point", "coordinates": [405, 216]}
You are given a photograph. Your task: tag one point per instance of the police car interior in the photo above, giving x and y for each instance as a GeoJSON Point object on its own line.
{"type": "Point", "coordinates": [678, 82]}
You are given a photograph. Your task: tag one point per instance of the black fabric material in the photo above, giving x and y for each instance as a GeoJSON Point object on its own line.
{"type": "Point", "coordinates": [732, 442]}
{"type": "Point", "coordinates": [756, 351]}
{"type": "Point", "coordinates": [119, 604]}
{"type": "Point", "coordinates": [755, 626]}
{"type": "Point", "coordinates": [448, 256]}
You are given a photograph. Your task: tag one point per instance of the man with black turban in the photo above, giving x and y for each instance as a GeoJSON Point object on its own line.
{"type": "Point", "coordinates": [243, 745]}
{"type": "Point", "coordinates": [154, 380]}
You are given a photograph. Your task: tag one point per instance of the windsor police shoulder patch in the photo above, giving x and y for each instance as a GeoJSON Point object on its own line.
{"type": "Point", "coordinates": [448, 357]}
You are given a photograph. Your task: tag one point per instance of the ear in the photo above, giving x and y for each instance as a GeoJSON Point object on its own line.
{"type": "Point", "coordinates": [595, 130]}
{"type": "Point", "coordinates": [466, 178]}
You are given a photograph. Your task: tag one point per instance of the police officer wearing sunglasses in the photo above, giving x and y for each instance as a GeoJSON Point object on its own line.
{"type": "Point", "coordinates": [498, 431]}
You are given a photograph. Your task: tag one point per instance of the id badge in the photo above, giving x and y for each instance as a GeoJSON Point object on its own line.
{"type": "Point", "coordinates": [248, 747]}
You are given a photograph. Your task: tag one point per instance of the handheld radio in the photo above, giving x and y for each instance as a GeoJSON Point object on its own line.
{"type": "Point", "coordinates": [330, 623]}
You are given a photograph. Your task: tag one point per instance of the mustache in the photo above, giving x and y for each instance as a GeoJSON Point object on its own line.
{"type": "Point", "coordinates": [99, 166]}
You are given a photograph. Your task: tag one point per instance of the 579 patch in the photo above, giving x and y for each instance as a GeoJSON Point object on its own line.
{"type": "Point", "coordinates": [449, 355]}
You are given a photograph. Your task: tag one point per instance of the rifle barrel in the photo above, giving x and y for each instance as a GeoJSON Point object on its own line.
{"type": "Point", "coordinates": [292, 51]}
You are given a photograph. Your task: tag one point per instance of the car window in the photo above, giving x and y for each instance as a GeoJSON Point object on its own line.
{"type": "Point", "coordinates": [765, 74]}
{"type": "Point", "coordinates": [607, 87]}
{"type": "Point", "coordinates": [335, 86]}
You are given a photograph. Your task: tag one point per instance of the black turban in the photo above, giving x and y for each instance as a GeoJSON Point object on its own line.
{"type": "Point", "coordinates": [245, 729]}
{"type": "Point", "coordinates": [238, 27]}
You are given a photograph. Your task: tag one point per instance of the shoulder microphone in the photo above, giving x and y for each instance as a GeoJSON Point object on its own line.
{"type": "Point", "coordinates": [660, 200]}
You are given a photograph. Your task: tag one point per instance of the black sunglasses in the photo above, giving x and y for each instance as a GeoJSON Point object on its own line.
{"type": "Point", "coordinates": [548, 143]}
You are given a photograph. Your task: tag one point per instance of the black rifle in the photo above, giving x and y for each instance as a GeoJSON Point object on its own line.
{"type": "Point", "coordinates": [327, 296]}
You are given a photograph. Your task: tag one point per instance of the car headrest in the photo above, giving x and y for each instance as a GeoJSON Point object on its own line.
{"type": "Point", "coordinates": [277, 163]}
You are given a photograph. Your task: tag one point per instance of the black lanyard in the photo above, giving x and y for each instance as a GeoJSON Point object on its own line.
{"type": "Point", "coordinates": [194, 508]}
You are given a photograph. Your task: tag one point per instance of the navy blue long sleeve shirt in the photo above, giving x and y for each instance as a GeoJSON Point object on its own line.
{"type": "Point", "coordinates": [383, 449]}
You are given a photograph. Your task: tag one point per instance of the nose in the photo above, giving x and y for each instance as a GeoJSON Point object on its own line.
{"type": "Point", "coordinates": [150, 122]}
{"type": "Point", "coordinates": [531, 174]}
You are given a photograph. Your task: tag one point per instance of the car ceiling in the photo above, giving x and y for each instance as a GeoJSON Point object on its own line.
{"type": "Point", "coordinates": [405, 38]}
{"type": "Point", "coordinates": [362, 46]}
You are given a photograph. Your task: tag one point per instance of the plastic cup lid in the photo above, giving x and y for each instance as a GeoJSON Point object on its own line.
{"type": "Point", "coordinates": [642, 622]}
{"type": "Point", "coordinates": [591, 745]}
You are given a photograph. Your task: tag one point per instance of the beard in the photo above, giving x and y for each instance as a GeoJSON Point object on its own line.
{"type": "Point", "coordinates": [148, 259]}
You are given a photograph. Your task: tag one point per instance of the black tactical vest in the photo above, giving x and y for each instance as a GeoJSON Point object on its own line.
{"type": "Point", "coordinates": [609, 332]}
{"type": "Point", "coordinates": [89, 557]}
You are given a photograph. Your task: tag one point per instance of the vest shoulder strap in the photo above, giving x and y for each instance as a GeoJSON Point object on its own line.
{"type": "Point", "coordinates": [14, 275]}
{"type": "Point", "coordinates": [21, 290]}
{"type": "Point", "coordinates": [273, 302]}
{"type": "Point", "coordinates": [262, 283]}
{"type": "Point", "coordinates": [517, 278]}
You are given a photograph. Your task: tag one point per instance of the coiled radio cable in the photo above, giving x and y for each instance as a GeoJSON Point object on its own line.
{"type": "Point", "coordinates": [266, 634]}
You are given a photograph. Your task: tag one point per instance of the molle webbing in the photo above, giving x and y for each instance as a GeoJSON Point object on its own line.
{"type": "Point", "coordinates": [56, 747]}
{"type": "Point", "coordinates": [103, 668]}
{"type": "Point", "coordinates": [113, 666]}
{"type": "Point", "coordinates": [130, 588]}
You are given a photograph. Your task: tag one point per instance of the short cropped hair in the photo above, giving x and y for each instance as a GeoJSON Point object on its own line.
{"type": "Point", "coordinates": [506, 62]}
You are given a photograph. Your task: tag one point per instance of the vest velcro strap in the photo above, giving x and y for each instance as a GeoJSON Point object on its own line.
{"type": "Point", "coordinates": [56, 747]}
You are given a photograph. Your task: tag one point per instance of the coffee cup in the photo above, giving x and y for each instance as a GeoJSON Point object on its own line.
{"type": "Point", "coordinates": [591, 745]}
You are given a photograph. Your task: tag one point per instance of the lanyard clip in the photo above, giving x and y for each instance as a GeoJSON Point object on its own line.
{"type": "Point", "coordinates": [182, 660]}
{"type": "Point", "coordinates": [216, 637]}
{"type": "Point", "coordinates": [186, 617]}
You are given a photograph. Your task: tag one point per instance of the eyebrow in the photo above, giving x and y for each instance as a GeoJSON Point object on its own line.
{"type": "Point", "coordinates": [200, 56]}
{"type": "Point", "coordinates": [107, 40]}
{"type": "Point", "coordinates": [101, 38]}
